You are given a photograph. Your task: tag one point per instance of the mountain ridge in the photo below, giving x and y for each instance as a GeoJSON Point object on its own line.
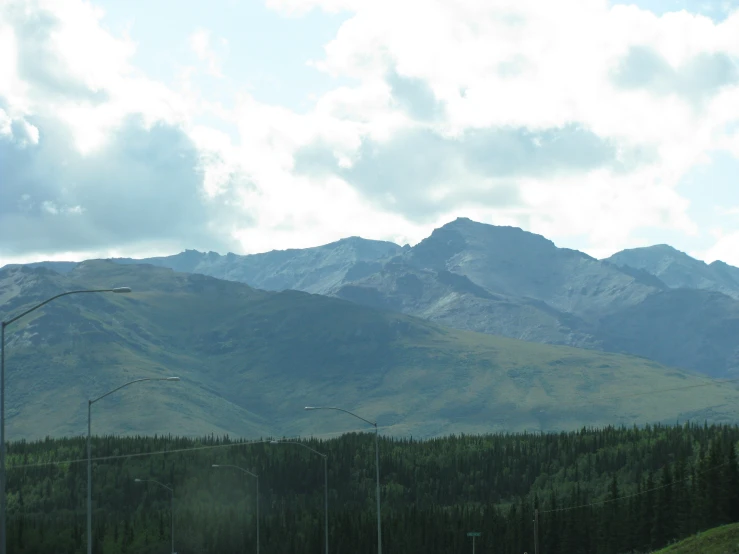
{"type": "Point", "coordinates": [505, 281]}
{"type": "Point", "coordinates": [679, 270]}
{"type": "Point", "coordinates": [250, 359]}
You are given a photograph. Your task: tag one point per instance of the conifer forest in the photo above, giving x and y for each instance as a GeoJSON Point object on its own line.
{"type": "Point", "coordinates": [595, 491]}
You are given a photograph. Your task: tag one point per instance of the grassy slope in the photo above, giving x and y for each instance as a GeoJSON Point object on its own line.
{"type": "Point", "coordinates": [720, 540]}
{"type": "Point", "coordinates": [250, 360]}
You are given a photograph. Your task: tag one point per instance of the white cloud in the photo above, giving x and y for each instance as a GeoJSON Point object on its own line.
{"type": "Point", "coordinates": [569, 118]}
{"type": "Point", "coordinates": [301, 7]}
{"type": "Point", "coordinates": [62, 63]}
{"type": "Point", "coordinates": [560, 62]}
{"type": "Point", "coordinates": [51, 207]}
{"type": "Point", "coordinates": [726, 248]}
{"type": "Point", "coordinates": [18, 130]}
{"type": "Point", "coordinates": [202, 45]}
{"type": "Point", "coordinates": [95, 156]}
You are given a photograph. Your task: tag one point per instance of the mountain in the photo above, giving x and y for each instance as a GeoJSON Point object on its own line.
{"type": "Point", "coordinates": [678, 270]}
{"type": "Point", "coordinates": [509, 282]}
{"type": "Point", "coordinates": [467, 275]}
{"type": "Point", "coordinates": [315, 270]}
{"type": "Point", "coordinates": [682, 327]}
{"type": "Point", "coordinates": [502, 260]}
{"type": "Point", "coordinates": [59, 267]}
{"type": "Point", "coordinates": [511, 261]}
{"type": "Point", "coordinates": [250, 360]}
{"type": "Point", "coordinates": [451, 299]}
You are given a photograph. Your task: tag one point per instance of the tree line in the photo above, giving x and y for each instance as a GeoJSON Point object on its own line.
{"type": "Point", "coordinates": [594, 491]}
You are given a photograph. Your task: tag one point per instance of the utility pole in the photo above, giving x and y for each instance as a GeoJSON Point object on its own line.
{"type": "Point", "coordinates": [377, 467]}
{"type": "Point", "coordinates": [536, 531]}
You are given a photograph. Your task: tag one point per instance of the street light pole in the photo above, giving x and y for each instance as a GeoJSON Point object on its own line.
{"type": "Point", "coordinates": [377, 465]}
{"type": "Point", "coordinates": [3, 325]}
{"type": "Point", "coordinates": [325, 500]}
{"type": "Point", "coordinates": [325, 483]}
{"type": "Point", "coordinates": [89, 449]}
{"type": "Point", "coordinates": [171, 492]}
{"type": "Point", "coordinates": [257, 478]}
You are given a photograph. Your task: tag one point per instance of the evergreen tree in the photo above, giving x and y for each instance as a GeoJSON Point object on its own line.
{"type": "Point", "coordinates": [599, 491]}
{"type": "Point", "coordinates": [664, 524]}
{"type": "Point", "coordinates": [732, 483]}
{"type": "Point", "coordinates": [612, 542]}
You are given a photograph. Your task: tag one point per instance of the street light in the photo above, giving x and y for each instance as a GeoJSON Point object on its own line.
{"type": "Point", "coordinates": [377, 465]}
{"type": "Point", "coordinates": [325, 481]}
{"type": "Point", "coordinates": [171, 494]}
{"type": "Point", "coordinates": [257, 478]}
{"type": "Point", "coordinates": [89, 449]}
{"type": "Point", "coordinates": [3, 325]}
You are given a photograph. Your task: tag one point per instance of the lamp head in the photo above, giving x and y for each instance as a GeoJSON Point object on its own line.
{"type": "Point", "coordinates": [121, 290]}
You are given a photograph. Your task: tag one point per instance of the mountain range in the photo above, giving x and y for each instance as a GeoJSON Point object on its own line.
{"type": "Point", "coordinates": [654, 302]}
{"type": "Point", "coordinates": [249, 360]}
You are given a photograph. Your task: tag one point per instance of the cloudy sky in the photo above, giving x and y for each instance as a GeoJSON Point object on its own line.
{"type": "Point", "coordinates": [146, 127]}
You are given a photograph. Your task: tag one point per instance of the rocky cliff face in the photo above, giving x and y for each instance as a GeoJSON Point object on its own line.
{"type": "Point", "coordinates": [655, 302]}
{"type": "Point", "coordinates": [678, 270]}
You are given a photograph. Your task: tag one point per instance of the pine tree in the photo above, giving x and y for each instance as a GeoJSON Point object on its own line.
{"type": "Point", "coordinates": [647, 514]}
{"type": "Point", "coordinates": [612, 515]}
{"type": "Point", "coordinates": [551, 522]}
{"type": "Point", "coordinates": [663, 527]}
{"type": "Point", "coordinates": [681, 501]}
{"type": "Point", "coordinates": [732, 483]}
{"type": "Point", "coordinates": [433, 493]}
{"type": "Point", "coordinates": [716, 498]}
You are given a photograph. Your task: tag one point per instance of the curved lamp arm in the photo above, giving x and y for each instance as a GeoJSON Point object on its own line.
{"type": "Point", "coordinates": [237, 467]}
{"type": "Point", "coordinates": [117, 290]}
{"type": "Point", "coordinates": [170, 489]}
{"type": "Point", "coordinates": [300, 444]}
{"type": "Point", "coordinates": [341, 410]}
{"type": "Point", "coordinates": [131, 383]}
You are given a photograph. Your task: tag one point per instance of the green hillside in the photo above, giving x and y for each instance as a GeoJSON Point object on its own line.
{"type": "Point", "coordinates": [721, 540]}
{"type": "Point", "coordinates": [250, 360]}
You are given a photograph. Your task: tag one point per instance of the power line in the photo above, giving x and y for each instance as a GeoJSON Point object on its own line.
{"type": "Point", "coordinates": [322, 435]}
{"type": "Point", "coordinates": [383, 427]}
{"type": "Point", "coordinates": [178, 450]}
{"type": "Point", "coordinates": [138, 454]}
{"type": "Point", "coordinates": [608, 501]}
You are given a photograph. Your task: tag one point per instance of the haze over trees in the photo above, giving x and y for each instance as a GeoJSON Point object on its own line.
{"type": "Point", "coordinates": [598, 491]}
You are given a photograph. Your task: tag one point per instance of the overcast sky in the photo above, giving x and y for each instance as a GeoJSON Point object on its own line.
{"type": "Point", "coordinates": [144, 127]}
